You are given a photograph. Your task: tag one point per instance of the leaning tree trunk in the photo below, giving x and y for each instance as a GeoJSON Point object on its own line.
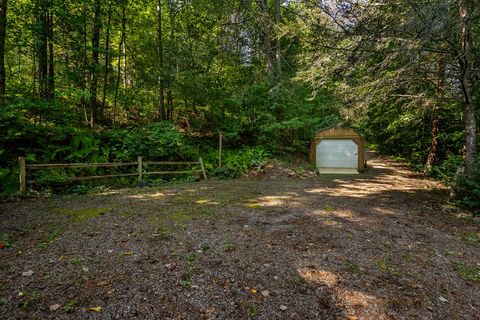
{"type": "Point", "coordinates": [466, 81]}
{"type": "Point", "coordinates": [3, 26]}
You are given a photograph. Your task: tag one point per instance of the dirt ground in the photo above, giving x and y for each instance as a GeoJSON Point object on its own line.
{"type": "Point", "coordinates": [380, 245]}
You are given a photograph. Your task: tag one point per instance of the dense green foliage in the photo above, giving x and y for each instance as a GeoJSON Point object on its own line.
{"type": "Point", "coordinates": [110, 80]}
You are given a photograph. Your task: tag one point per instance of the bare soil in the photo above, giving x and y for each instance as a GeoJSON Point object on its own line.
{"type": "Point", "coordinates": [380, 245]}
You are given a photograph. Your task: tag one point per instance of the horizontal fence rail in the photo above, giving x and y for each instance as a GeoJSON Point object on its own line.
{"type": "Point", "coordinates": [79, 165]}
{"type": "Point", "coordinates": [24, 168]}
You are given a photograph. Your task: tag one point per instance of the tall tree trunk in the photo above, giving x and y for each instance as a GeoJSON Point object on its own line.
{"type": "Point", "coordinates": [51, 72]}
{"type": "Point", "coordinates": [440, 89]}
{"type": "Point", "coordinates": [120, 49]}
{"type": "Point", "coordinates": [3, 26]}
{"type": "Point", "coordinates": [267, 45]}
{"type": "Point", "coordinates": [42, 48]}
{"type": "Point", "coordinates": [95, 62]}
{"type": "Point", "coordinates": [34, 72]}
{"type": "Point", "coordinates": [124, 55]}
{"type": "Point", "coordinates": [171, 63]}
{"type": "Point", "coordinates": [84, 67]}
{"type": "Point", "coordinates": [466, 80]}
{"type": "Point", "coordinates": [160, 103]}
{"type": "Point", "coordinates": [107, 60]}
{"type": "Point", "coordinates": [278, 49]}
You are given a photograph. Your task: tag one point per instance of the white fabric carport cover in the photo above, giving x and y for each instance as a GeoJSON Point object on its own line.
{"type": "Point", "coordinates": [337, 153]}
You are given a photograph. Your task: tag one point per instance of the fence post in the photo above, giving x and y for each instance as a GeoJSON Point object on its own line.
{"type": "Point", "coordinates": [220, 151]}
{"type": "Point", "coordinates": [22, 175]}
{"type": "Point", "coordinates": [203, 168]}
{"type": "Point", "coordinates": [140, 168]}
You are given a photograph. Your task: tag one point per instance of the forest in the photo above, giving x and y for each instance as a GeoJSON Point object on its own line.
{"type": "Point", "coordinates": [109, 80]}
{"type": "Point", "coordinates": [325, 155]}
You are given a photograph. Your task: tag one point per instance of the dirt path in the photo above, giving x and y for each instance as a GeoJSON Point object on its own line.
{"type": "Point", "coordinates": [381, 245]}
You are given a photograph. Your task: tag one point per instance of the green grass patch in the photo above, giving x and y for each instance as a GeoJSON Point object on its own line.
{"type": "Point", "coordinates": [386, 265]}
{"type": "Point", "coordinates": [470, 237]}
{"type": "Point", "coordinates": [229, 246]}
{"type": "Point", "coordinates": [42, 245]}
{"type": "Point", "coordinates": [70, 306]}
{"type": "Point", "coordinates": [6, 240]}
{"type": "Point", "coordinates": [53, 233]}
{"type": "Point", "coordinates": [191, 258]}
{"type": "Point", "coordinates": [328, 207]}
{"type": "Point", "coordinates": [29, 298]}
{"type": "Point", "coordinates": [186, 281]}
{"type": "Point", "coordinates": [469, 273]}
{"type": "Point", "coordinates": [76, 261]}
{"type": "Point", "coordinates": [252, 311]}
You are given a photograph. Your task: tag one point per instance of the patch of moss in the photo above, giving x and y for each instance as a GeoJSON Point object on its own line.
{"type": "Point", "coordinates": [81, 215]}
{"type": "Point", "coordinates": [179, 217]}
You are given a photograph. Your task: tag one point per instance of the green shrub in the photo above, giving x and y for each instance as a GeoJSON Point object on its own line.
{"type": "Point", "coordinates": [469, 193]}
{"type": "Point", "coordinates": [8, 181]}
{"type": "Point", "coordinates": [236, 163]}
{"type": "Point", "coordinates": [155, 141]}
{"type": "Point", "coordinates": [445, 171]}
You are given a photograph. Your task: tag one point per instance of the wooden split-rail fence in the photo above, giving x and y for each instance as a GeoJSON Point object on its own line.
{"type": "Point", "coordinates": [24, 168]}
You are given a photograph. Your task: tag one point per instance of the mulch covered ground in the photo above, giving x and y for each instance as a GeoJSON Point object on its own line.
{"type": "Point", "coordinates": [380, 245]}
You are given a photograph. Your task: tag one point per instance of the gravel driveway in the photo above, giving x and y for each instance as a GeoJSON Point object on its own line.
{"type": "Point", "coordinates": [380, 245]}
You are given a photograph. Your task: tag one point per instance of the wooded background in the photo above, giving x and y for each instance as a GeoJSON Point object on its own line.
{"type": "Point", "coordinates": [102, 80]}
